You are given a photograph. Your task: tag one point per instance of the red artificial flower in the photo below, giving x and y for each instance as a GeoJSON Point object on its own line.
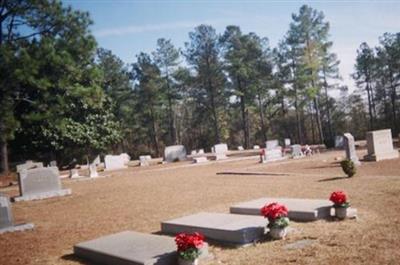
{"type": "Point", "coordinates": [186, 241]}
{"type": "Point", "coordinates": [274, 210]}
{"type": "Point", "coordinates": [338, 197]}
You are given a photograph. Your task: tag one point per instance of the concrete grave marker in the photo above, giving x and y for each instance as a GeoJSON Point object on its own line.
{"type": "Point", "coordinates": [29, 164]}
{"type": "Point", "coordinates": [299, 209]}
{"type": "Point", "coordinates": [233, 229]}
{"type": "Point", "coordinates": [194, 152]}
{"type": "Point", "coordinates": [339, 141]}
{"type": "Point", "coordinates": [144, 160]}
{"type": "Point", "coordinates": [6, 217]}
{"type": "Point", "coordinates": [113, 162]}
{"type": "Point", "coordinates": [256, 147]}
{"type": "Point", "coordinates": [74, 173]}
{"type": "Point", "coordinates": [380, 146]}
{"type": "Point", "coordinates": [200, 152]}
{"type": "Point", "coordinates": [174, 153]}
{"type": "Point", "coordinates": [201, 159]}
{"type": "Point", "coordinates": [40, 183]}
{"type": "Point", "coordinates": [240, 148]}
{"type": "Point", "coordinates": [220, 151]}
{"type": "Point", "coordinates": [272, 144]}
{"type": "Point", "coordinates": [131, 248]}
{"type": "Point", "coordinates": [93, 171]}
{"type": "Point", "coordinates": [96, 161]}
{"type": "Point", "coordinates": [287, 142]}
{"type": "Point", "coordinates": [350, 148]}
{"type": "Point", "coordinates": [53, 163]}
{"type": "Point", "coordinates": [296, 151]}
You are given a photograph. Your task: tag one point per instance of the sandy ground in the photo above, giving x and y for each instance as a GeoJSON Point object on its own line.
{"type": "Point", "coordinates": [139, 198]}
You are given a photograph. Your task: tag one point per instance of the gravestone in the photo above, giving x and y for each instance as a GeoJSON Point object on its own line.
{"type": "Point", "coordinates": [74, 173]}
{"type": "Point", "coordinates": [96, 161]}
{"type": "Point", "coordinates": [29, 164]}
{"type": "Point", "coordinates": [200, 152]}
{"type": "Point", "coordinates": [350, 148]}
{"type": "Point", "coordinates": [113, 162]}
{"type": "Point", "coordinates": [93, 171]}
{"type": "Point", "coordinates": [233, 229]}
{"type": "Point", "coordinates": [272, 144]}
{"type": "Point", "coordinates": [132, 248]}
{"type": "Point", "coordinates": [339, 141]}
{"type": "Point", "coordinates": [174, 153]}
{"type": "Point", "coordinates": [125, 157]}
{"type": "Point", "coordinates": [380, 146]}
{"type": "Point", "coordinates": [296, 151]}
{"type": "Point", "coordinates": [298, 209]}
{"type": "Point", "coordinates": [287, 142]}
{"type": "Point", "coordinates": [201, 159]}
{"type": "Point", "coordinates": [40, 183]}
{"type": "Point", "coordinates": [144, 160]}
{"type": "Point", "coordinates": [194, 152]}
{"type": "Point", "coordinates": [220, 151]}
{"type": "Point", "coordinates": [6, 217]}
{"type": "Point", "coordinates": [240, 148]}
{"type": "Point", "coordinates": [256, 147]}
{"type": "Point", "coordinates": [53, 163]}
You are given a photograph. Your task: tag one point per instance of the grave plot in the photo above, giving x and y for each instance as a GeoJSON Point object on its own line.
{"type": "Point", "coordinates": [40, 183]}
{"type": "Point", "coordinates": [230, 229]}
{"type": "Point", "coordinates": [302, 210]}
{"type": "Point", "coordinates": [131, 248]}
{"type": "Point", "coordinates": [6, 217]}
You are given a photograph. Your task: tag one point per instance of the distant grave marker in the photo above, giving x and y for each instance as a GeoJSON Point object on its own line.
{"type": "Point", "coordinates": [220, 151]}
{"type": "Point", "coordinates": [29, 164]}
{"type": "Point", "coordinates": [144, 160]}
{"type": "Point", "coordinates": [40, 183]}
{"type": "Point", "coordinates": [380, 146]}
{"type": "Point", "coordinates": [272, 144]}
{"type": "Point", "coordinates": [256, 147]}
{"type": "Point", "coordinates": [174, 153]}
{"type": "Point", "coordinates": [6, 217]}
{"type": "Point", "coordinates": [113, 162]}
{"type": "Point", "coordinates": [296, 151]}
{"type": "Point", "coordinates": [339, 141]}
{"type": "Point", "coordinates": [287, 142]}
{"type": "Point", "coordinates": [349, 146]}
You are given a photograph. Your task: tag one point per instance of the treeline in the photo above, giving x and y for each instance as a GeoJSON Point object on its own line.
{"type": "Point", "coordinates": [62, 97]}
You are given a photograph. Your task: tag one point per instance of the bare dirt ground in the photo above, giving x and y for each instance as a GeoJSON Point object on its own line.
{"type": "Point", "coordinates": [139, 198]}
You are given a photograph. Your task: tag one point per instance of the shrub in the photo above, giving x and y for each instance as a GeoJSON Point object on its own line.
{"type": "Point", "coordinates": [349, 168]}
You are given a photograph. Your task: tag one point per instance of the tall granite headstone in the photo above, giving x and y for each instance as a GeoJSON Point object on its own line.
{"type": "Point", "coordinates": [40, 183]}
{"type": "Point", "coordinates": [350, 148]}
{"type": "Point", "coordinates": [380, 146]}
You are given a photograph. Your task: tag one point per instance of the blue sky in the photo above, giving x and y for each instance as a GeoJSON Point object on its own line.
{"type": "Point", "coordinates": [128, 27]}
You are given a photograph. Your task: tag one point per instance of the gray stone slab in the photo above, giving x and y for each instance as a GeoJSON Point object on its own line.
{"type": "Point", "coordinates": [271, 144]}
{"type": "Point", "coordinates": [114, 162]}
{"type": "Point", "coordinates": [130, 248]}
{"type": "Point", "coordinates": [224, 228]}
{"type": "Point", "coordinates": [350, 148]}
{"type": "Point", "coordinates": [220, 148]}
{"type": "Point", "coordinates": [174, 153]}
{"type": "Point", "coordinates": [302, 210]}
{"type": "Point", "coordinates": [201, 159]}
{"type": "Point", "coordinates": [17, 228]}
{"type": "Point", "coordinates": [40, 183]}
{"type": "Point", "coordinates": [6, 217]}
{"type": "Point", "coordinates": [380, 146]}
{"type": "Point", "coordinates": [296, 151]}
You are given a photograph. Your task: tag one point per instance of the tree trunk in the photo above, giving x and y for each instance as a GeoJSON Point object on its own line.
{"type": "Point", "coordinates": [154, 129]}
{"type": "Point", "coordinates": [245, 125]}
{"type": "Point", "coordinates": [318, 120]}
{"type": "Point", "coordinates": [328, 109]}
{"type": "Point", "coordinates": [172, 127]}
{"type": "Point", "coordinates": [261, 110]}
{"type": "Point", "coordinates": [393, 97]}
{"type": "Point", "coordinates": [312, 124]}
{"type": "Point", "coordinates": [4, 156]}
{"type": "Point", "coordinates": [371, 118]}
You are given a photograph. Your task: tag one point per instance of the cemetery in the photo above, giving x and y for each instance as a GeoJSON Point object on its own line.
{"type": "Point", "coordinates": [199, 132]}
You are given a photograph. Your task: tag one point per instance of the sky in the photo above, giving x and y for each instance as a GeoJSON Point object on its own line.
{"type": "Point", "coordinates": [128, 27]}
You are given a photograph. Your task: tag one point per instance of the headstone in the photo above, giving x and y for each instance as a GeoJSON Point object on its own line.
{"type": "Point", "coordinates": [40, 183]}
{"type": "Point", "coordinates": [271, 155]}
{"type": "Point", "coordinates": [296, 151]}
{"type": "Point", "coordinates": [200, 152]}
{"type": "Point", "coordinates": [350, 148]}
{"type": "Point", "coordinates": [174, 153]}
{"type": "Point", "coordinates": [6, 217]}
{"type": "Point", "coordinates": [29, 164]}
{"type": "Point", "coordinates": [299, 209]}
{"type": "Point", "coordinates": [220, 151]}
{"type": "Point", "coordinates": [194, 152]}
{"type": "Point", "coordinates": [53, 163]}
{"type": "Point", "coordinates": [201, 159]}
{"type": "Point", "coordinates": [256, 147]}
{"type": "Point", "coordinates": [287, 142]}
{"type": "Point", "coordinates": [96, 161]}
{"type": "Point", "coordinates": [272, 144]}
{"type": "Point", "coordinates": [131, 248]}
{"type": "Point", "coordinates": [125, 157]}
{"type": "Point", "coordinates": [233, 229]}
{"type": "Point", "coordinates": [144, 160]}
{"type": "Point", "coordinates": [380, 146]}
{"type": "Point", "coordinates": [74, 173]}
{"type": "Point", "coordinates": [93, 171]}
{"type": "Point", "coordinates": [113, 162]}
{"type": "Point", "coordinates": [240, 148]}
{"type": "Point", "coordinates": [339, 141]}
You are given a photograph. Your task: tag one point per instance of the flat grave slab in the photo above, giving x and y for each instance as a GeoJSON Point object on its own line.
{"type": "Point", "coordinates": [131, 248]}
{"type": "Point", "coordinates": [231, 229]}
{"type": "Point", "coordinates": [303, 210]}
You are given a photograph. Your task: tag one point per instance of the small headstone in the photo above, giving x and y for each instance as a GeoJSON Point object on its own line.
{"type": "Point", "coordinates": [174, 153]}
{"type": "Point", "coordinates": [93, 171]}
{"type": "Point", "coordinates": [220, 148]}
{"type": "Point", "coordinates": [125, 157]}
{"type": "Point", "coordinates": [96, 161]}
{"type": "Point", "coordinates": [240, 148]}
{"type": "Point", "coordinates": [296, 151]}
{"type": "Point", "coordinates": [144, 160]}
{"type": "Point", "coordinates": [40, 183]}
{"type": "Point", "coordinates": [29, 164]}
{"type": "Point", "coordinates": [380, 146]}
{"type": "Point", "coordinates": [200, 152]}
{"type": "Point", "coordinates": [115, 162]}
{"type": "Point", "coordinates": [235, 229]}
{"type": "Point", "coordinates": [339, 141]}
{"type": "Point", "coordinates": [271, 155]}
{"type": "Point", "coordinates": [74, 173]}
{"type": "Point", "coordinates": [6, 217]}
{"type": "Point", "coordinates": [201, 159]}
{"type": "Point", "coordinates": [194, 152]}
{"type": "Point", "coordinates": [53, 163]}
{"type": "Point", "coordinates": [350, 148]}
{"type": "Point", "coordinates": [256, 147]}
{"type": "Point", "coordinates": [272, 144]}
{"type": "Point", "coordinates": [287, 142]}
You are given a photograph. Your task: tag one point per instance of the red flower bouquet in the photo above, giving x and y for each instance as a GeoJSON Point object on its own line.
{"type": "Point", "coordinates": [339, 199]}
{"type": "Point", "coordinates": [276, 214]}
{"type": "Point", "coordinates": [189, 245]}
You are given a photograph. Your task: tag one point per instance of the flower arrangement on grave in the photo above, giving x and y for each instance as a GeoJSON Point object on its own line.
{"type": "Point", "coordinates": [277, 219]}
{"type": "Point", "coordinates": [349, 168]}
{"type": "Point", "coordinates": [189, 247]}
{"type": "Point", "coordinates": [340, 203]}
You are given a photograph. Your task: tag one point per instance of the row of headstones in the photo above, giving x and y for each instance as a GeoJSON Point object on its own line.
{"type": "Point", "coordinates": [379, 146]}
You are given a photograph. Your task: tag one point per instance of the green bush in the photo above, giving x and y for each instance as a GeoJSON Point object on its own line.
{"type": "Point", "coordinates": [349, 168]}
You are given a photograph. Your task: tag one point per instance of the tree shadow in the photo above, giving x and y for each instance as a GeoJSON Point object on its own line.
{"type": "Point", "coordinates": [332, 179]}
{"type": "Point", "coordinates": [72, 257]}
